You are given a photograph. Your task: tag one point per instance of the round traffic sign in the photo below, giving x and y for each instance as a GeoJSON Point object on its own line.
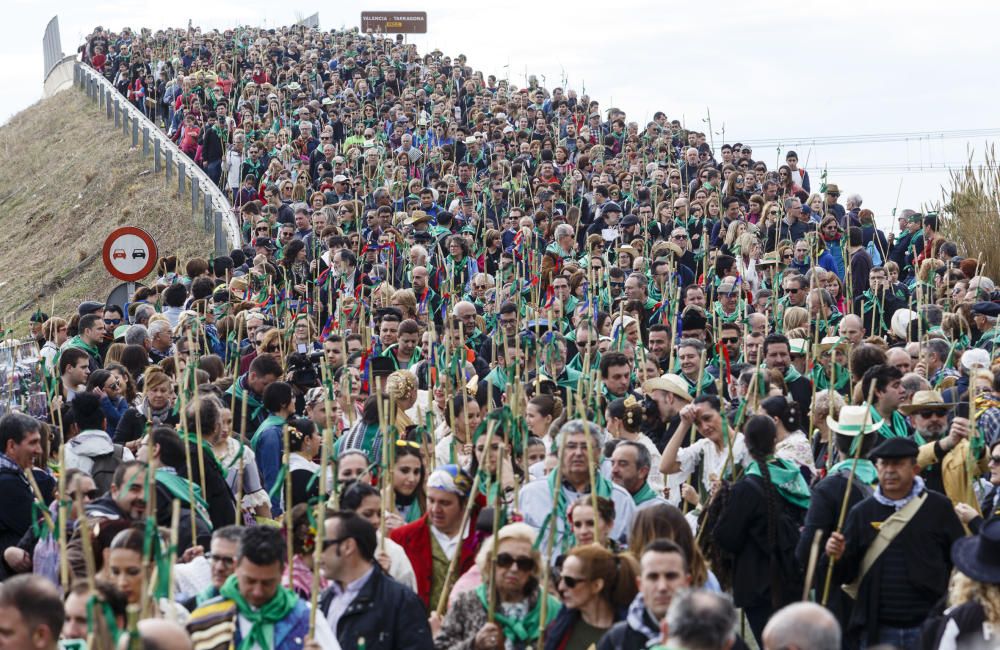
{"type": "Point", "coordinates": [129, 253]}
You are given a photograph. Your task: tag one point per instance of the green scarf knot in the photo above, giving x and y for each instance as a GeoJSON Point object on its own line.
{"type": "Point", "coordinates": [523, 630]}
{"type": "Point", "coordinates": [787, 479]}
{"type": "Point", "coordinates": [262, 620]}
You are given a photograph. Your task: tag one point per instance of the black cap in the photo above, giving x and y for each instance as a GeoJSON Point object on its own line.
{"type": "Point", "coordinates": [611, 206]}
{"type": "Point", "coordinates": [895, 448]}
{"type": "Point", "coordinates": [989, 309]}
{"type": "Point", "coordinates": [89, 307]}
{"type": "Point", "coordinates": [39, 317]}
{"type": "Point", "coordinates": [630, 220]}
{"type": "Point", "coordinates": [265, 242]}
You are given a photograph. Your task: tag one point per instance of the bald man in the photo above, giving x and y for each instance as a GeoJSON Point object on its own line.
{"type": "Point", "coordinates": [852, 328]}
{"type": "Point", "coordinates": [161, 634]}
{"type": "Point", "coordinates": [802, 626]}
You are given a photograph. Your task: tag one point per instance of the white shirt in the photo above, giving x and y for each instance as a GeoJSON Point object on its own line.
{"type": "Point", "coordinates": [714, 460]}
{"type": "Point", "coordinates": [448, 544]}
{"type": "Point", "coordinates": [343, 597]}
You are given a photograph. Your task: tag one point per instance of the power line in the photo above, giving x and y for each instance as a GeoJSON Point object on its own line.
{"type": "Point", "coordinates": [875, 138]}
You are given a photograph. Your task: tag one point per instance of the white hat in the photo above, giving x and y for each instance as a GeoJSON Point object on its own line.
{"type": "Point", "coordinates": [852, 419]}
{"type": "Point", "coordinates": [670, 383]}
{"type": "Point", "coordinates": [798, 346]}
{"type": "Point", "coordinates": [900, 325]}
{"type": "Point", "coordinates": [975, 358]}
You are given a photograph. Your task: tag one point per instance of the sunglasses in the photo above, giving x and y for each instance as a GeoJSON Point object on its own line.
{"type": "Point", "coordinates": [730, 340]}
{"type": "Point", "coordinates": [995, 460]}
{"type": "Point", "coordinates": [570, 581]}
{"type": "Point", "coordinates": [407, 443]}
{"type": "Point", "coordinates": [89, 494]}
{"type": "Point", "coordinates": [112, 321]}
{"type": "Point", "coordinates": [524, 563]}
{"type": "Point", "coordinates": [931, 413]}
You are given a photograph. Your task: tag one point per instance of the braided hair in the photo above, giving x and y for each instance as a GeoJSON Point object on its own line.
{"type": "Point", "coordinates": [760, 434]}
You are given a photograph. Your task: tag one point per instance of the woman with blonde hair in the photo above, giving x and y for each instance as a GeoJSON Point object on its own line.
{"type": "Point", "coordinates": [795, 317]}
{"type": "Point", "coordinates": [513, 572]}
{"type": "Point", "coordinates": [405, 300]}
{"type": "Point", "coordinates": [747, 253]}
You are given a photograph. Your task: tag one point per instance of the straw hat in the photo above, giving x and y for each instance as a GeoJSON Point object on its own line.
{"type": "Point", "coordinates": [926, 400]}
{"type": "Point", "coordinates": [830, 342]}
{"type": "Point", "coordinates": [670, 383]}
{"type": "Point", "coordinates": [852, 419]}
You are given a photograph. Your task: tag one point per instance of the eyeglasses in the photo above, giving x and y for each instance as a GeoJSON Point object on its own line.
{"type": "Point", "coordinates": [786, 256]}
{"type": "Point", "coordinates": [995, 460]}
{"type": "Point", "coordinates": [931, 413]}
{"type": "Point", "coordinates": [681, 237]}
{"type": "Point", "coordinates": [263, 229]}
{"type": "Point", "coordinates": [524, 563]}
{"type": "Point", "coordinates": [89, 495]}
{"type": "Point", "coordinates": [570, 581]}
{"type": "Point", "coordinates": [112, 321]}
{"type": "Point", "coordinates": [327, 543]}
{"type": "Point", "coordinates": [792, 291]}
{"type": "Point", "coordinates": [729, 340]}
{"type": "Point", "coordinates": [271, 348]}
{"type": "Point", "coordinates": [407, 443]}
{"type": "Point", "coordinates": [221, 559]}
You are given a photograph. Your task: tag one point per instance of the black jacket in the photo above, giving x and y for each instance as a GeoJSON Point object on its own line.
{"type": "Point", "coordinates": [132, 425]}
{"type": "Point", "coordinates": [623, 636]}
{"type": "Point", "coordinates": [742, 531]}
{"type": "Point", "coordinates": [218, 495]}
{"type": "Point", "coordinates": [387, 615]}
{"type": "Point", "coordinates": [15, 515]}
{"type": "Point", "coordinates": [824, 511]}
{"type": "Point", "coordinates": [925, 544]}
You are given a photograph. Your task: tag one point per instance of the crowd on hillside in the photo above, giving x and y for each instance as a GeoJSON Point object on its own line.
{"type": "Point", "coordinates": [497, 367]}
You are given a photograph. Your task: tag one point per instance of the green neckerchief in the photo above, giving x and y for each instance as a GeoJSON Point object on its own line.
{"type": "Point", "coordinates": [77, 342]}
{"type": "Point", "coordinates": [523, 630]}
{"type": "Point", "coordinates": [576, 363]}
{"type": "Point", "coordinates": [644, 494]}
{"type": "Point", "coordinates": [871, 304]}
{"type": "Point", "coordinates": [498, 377]}
{"type": "Point", "coordinates": [206, 594]}
{"type": "Point", "coordinates": [821, 377]}
{"type": "Point", "coordinates": [896, 428]}
{"type": "Point", "coordinates": [413, 512]}
{"type": "Point", "coordinates": [865, 470]}
{"type": "Point", "coordinates": [706, 381]}
{"type": "Point", "coordinates": [271, 420]}
{"type": "Point", "coordinates": [180, 488]}
{"type": "Point", "coordinates": [792, 374]}
{"type": "Point", "coordinates": [604, 488]}
{"type": "Point", "coordinates": [239, 392]}
{"type": "Point", "coordinates": [390, 353]}
{"type": "Point", "coordinates": [263, 620]}
{"type": "Point", "coordinates": [729, 318]}
{"type": "Point", "coordinates": [207, 450]}
{"type": "Point", "coordinates": [787, 479]}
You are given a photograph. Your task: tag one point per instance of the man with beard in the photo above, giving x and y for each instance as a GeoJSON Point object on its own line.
{"type": "Point", "coordinates": [877, 304]}
{"type": "Point", "coordinates": [778, 356]}
{"type": "Point", "coordinates": [945, 456]}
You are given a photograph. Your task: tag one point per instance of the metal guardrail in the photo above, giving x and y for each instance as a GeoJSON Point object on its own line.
{"type": "Point", "coordinates": [210, 207]}
{"type": "Point", "coordinates": [52, 46]}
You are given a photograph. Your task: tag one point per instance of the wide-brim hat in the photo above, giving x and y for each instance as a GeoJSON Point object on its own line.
{"type": "Point", "coordinates": [670, 383]}
{"type": "Point", "coordinates": [798, 346]}
{"type": "Point", "coordinates": [926, 400]}
{"type": "Point", "coordinates": [417, 216]}
{"type": "Point", "coordinates": [978, 556]}
{"type": "Point", "coordinates": [853, 421]}
{"type": "Point", "coordinates": [830, 342]}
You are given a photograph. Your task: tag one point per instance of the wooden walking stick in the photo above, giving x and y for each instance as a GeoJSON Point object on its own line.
{"type": "Point", "coordinates": [811, 566]}
{"type": "Point", "coordinates": [443, 600]}
{"type": "Point", "coordinates": [847, 490]}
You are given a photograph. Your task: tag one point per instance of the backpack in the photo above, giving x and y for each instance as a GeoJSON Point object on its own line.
{"type": "Point", "coordinates": [103, 469]}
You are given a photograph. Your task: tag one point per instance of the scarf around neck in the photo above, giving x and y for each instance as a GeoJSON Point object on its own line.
{"type": "Point", "coordinates": [522, 630]}
{"type": "Point", "coordinates": [787, 479]}
{"type": "Point", "coordinates": [262, 620]}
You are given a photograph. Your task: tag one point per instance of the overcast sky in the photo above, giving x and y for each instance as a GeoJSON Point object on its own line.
{"type": "Point", "coordinates": [790, 73]}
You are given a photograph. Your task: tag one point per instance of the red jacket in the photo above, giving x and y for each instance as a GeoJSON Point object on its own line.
{"type": "Point", "coordinates": [415, 538]}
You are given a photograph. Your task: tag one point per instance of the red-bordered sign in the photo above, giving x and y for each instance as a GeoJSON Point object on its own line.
{"type": "Point", "coordinates": [129, 253]}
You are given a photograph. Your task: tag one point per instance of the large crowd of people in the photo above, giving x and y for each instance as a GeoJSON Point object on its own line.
{"type": "Point", "coordinates": [496, 367]}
